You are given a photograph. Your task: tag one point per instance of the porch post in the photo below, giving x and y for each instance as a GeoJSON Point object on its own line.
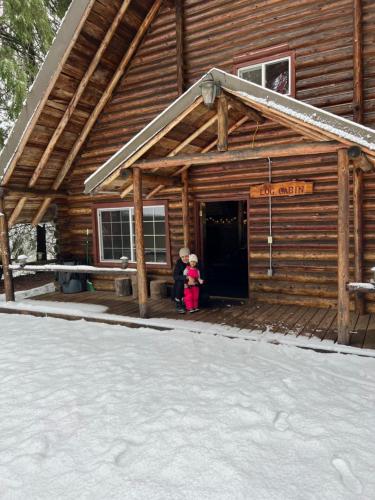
{"type": "Point", "coordinates": [185, 207]}
{"type": "Point", "coordinates": [139, 243]}
{"type": "Point", "coordinates": [358, 235]}
{"type": "Point", "coordinates": [5, 251]}
{"type": "Point", "coordinates": [222, 123]}
{"type": "Point", "coordinates": [343, 303]}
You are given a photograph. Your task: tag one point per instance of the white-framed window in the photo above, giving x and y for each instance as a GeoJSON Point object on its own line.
{"type": "Point", "coordinates": [274, 74]}
{"type": "Point", "coordinates": [116, 234]}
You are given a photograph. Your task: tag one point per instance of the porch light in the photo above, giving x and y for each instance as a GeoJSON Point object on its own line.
{"type": "Point", "coordinates": [210, 90]}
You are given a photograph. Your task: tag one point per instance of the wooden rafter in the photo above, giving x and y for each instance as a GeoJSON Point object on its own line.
{"type": "Point", "coordinates": [78, 93]}
{"type": "Point", "coordinates": [128, 163]}
{"type": "Point", "coordinates": [42, 102]}
{"type": "Point", "coordinates": [204, 150]}
{"type": "Point", "coordinates": [101, 104]}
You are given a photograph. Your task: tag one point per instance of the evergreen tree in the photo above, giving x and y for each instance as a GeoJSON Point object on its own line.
{"type": "Point", "coordinates": [27, 28]}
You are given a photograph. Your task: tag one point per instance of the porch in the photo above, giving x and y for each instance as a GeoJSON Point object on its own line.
{"type": "Point", "coordinates": [293, 321]}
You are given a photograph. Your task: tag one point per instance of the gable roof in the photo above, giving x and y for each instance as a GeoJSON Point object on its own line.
{"type": "Point", "coordinates": [47, 75]}
{"type": "Point", "coordinates": [330, 126]}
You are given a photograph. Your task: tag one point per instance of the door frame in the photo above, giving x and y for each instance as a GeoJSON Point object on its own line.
{"type": "Point", "coordinates": [198, 227]}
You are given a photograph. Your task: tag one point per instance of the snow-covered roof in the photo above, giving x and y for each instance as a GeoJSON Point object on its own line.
{"type": "Point", "coordinates": [333, 126]}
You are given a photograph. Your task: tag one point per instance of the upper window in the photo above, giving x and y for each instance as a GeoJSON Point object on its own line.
{"type": "Point", "coordinates": [274, 74]}
{"type": "Point", "coordinates": [116, 234]}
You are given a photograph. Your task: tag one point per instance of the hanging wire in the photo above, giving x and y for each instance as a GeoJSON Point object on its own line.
{"type": "Point", "coordinates": [270, 271]}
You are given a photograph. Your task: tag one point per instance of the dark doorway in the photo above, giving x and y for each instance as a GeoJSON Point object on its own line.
{"type": "Point", "coordinates": [224, 247]}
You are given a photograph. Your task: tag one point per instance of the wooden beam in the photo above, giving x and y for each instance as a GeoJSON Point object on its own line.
{"type": "Point", "coordinates": [358, 235]}
{"type": "Point", "coordinates": [180, 45]}
{"type": "Point", "coordinates": [128, 163]}
{"type": "Point", "coordinates": [127, 174]}
{"type": "Point", "coordinates": [185, 208]}
{"type": "Point", "coordinates": [279, 150]}
{"type": "Point", "coordinates": [245, 110]}
{"type": "Point", "coordinates": [42, 102]}
{"type": "Point", "coordinates": [207, 148]}
{"type": "Point", "coordinates": [222, 123]}
{"type": "Point", "coordinates": [5, 251]}
{"type": "Point", "coordinates": [17, 210]}
{"type": "Point", "coordinates": [78, 93]}
{"type": "Point", "coordinates": [108, 92]}
{"type": "Point", "coordinates": [343, 300]}
{"type": "Point", "coordinates": [357, 63]}
{"type": "Point", "coordinates": [100, 106]}
{"type": "Point", "coordinates": [34, 193]}
{"type": "Point", "coordinates": [360, 159]}
{"type": "Point", "coordinates": [41, 212]}
{"type": "Point", "coordinates": [139, 244]}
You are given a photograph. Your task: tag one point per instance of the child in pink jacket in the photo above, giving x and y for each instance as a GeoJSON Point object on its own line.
{"type": "Point", "coordinates": [193, 280]}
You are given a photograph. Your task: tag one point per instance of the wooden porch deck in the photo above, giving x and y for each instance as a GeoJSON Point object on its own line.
{"type": "Point", "coordinates": [288, 320]}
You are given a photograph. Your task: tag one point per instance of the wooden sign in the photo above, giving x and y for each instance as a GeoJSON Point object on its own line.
{"type": "Point", "coordinates": [291, 188]}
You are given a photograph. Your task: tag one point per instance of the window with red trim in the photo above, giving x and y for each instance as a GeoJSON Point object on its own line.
{"type": "Point", "coordinates": [269, 68]}
{"type": "Point", "coordinates": [116, 233]}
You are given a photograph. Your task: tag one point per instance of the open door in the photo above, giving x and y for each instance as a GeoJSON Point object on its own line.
{"type": "Point", "coordinates": [224, 247]}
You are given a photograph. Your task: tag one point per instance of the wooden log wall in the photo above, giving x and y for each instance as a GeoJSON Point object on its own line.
{"type": "Point", "coordinates": [216, 32]}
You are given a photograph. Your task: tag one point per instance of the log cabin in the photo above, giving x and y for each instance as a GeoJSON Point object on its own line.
{"type": "Point", "coordinates": [243, 130]}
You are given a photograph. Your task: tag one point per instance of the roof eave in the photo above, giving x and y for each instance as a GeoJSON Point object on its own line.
{"type": "Point", "coordinates": [49, 69]}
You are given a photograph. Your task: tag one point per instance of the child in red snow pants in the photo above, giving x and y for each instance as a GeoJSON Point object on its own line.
{"type": "Point", "coordinates": [193, 280]}
{"type": "Point", "coordinates": [191, 297]}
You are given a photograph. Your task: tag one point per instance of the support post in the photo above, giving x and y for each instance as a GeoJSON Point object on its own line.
{"type": "Point", "coordinates": [222, 123]}
{"type": "Point", "coordinates": [358, 236]}
{"type": "Point", "coordinates": [139, 243]}
{"type": "Point", "coordinates": [5, 251]}
{"type": "Point", "coordinates": [343, 303]}
{"type": "Point", "coordinates": [357, 63]}
{"type": "Point", "coordinates": [185, 208]}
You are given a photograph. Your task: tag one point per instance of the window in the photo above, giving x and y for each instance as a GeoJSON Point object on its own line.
{"type": "Point", "coordinates": [273, 74]}
{"type": "Point", "coordinates": [117, 234]}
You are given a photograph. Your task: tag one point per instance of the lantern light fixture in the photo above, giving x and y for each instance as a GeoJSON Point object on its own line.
{"type": "Point", "coordinates": [210, 90]}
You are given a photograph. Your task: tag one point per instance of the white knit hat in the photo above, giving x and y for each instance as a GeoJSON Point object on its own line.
{"type": "Point", "coordinates": [193, 258]}
{"type": "Point", "coordinates": [183, 252]}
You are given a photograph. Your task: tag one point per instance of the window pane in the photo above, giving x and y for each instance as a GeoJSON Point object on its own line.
{"type": "Point", "coordinates": [117, 242]}
{"type": "Point", "coordinates": [115, 215]}
{"type": "Point", "coordinates": [159, 228]}
{"type": "Point", "coordinates": [126, 252]}
{"type": "Point", "coordinates": [277, 76]}
{"type": "Point", "coordinates": [149, 255]}
{"type": "Point", "coordinates": [125, 241]}
{"type": "Point", "coordinates": [108, 254]}
{"type": "Point", "coordinates": [106, 216]}
{"type": "Point", "coordinates": [149, 241]}
{"type": "Point", "coordinates": [117, 253]}
{"type": "Point", "coordinates": [124, 216]}
{"type": "Point", "coordinates": [148, 228]}
{"type": "Point", "coordinates": [159, 213]}
{"type": "Point", "coordinates": [253, 75]}
{"type": "Point", "coordinates": [160, 241]}
{"type": "Point", "coordinates": [160, 256]}
{"type": "Point", "coordinates": [106, 228]}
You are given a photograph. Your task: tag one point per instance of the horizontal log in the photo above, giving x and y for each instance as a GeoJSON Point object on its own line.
{"type": "Point", "coordinates": [300, 149]}
{"type": "Point", "coordinates": [127, 175]}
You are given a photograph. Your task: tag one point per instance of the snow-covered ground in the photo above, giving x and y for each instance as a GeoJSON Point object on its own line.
{"type": "Point", "coordinates": [90, 411]}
